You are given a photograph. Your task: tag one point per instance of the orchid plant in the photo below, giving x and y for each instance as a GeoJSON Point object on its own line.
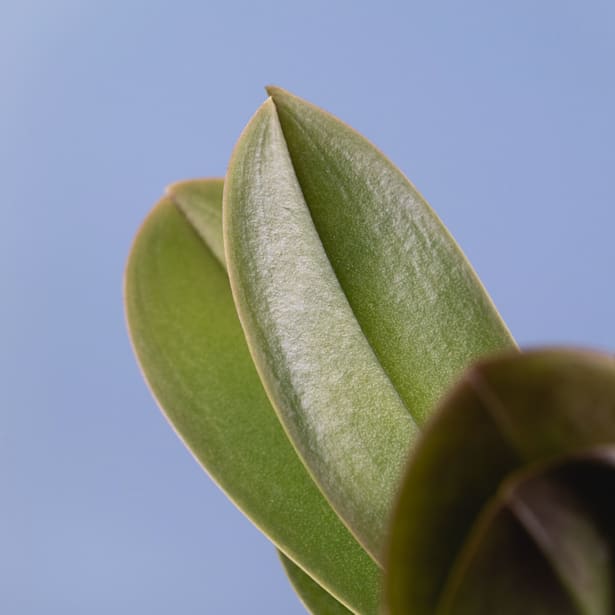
{"type": "Point", "coordinates": [321, 344]}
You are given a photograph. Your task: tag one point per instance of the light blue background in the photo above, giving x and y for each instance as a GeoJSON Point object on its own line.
{"type": "Point", "coordinates": [500, 112]}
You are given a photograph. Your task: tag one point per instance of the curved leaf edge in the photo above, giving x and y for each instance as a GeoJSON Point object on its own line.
{"type": "Point", "coordinates": [313, 596]}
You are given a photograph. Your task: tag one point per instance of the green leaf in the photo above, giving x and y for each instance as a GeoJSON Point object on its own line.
{"type": "Point", "coordinates": [191, 348]}
{"type": "Point", "coordinates": [358, 307]}
{"type": "Point", "coordinates": [504, 415]}
{"type": "Point", "coordinates": [315, 599]}
{"type": "Point", "coordinates": [546, 543]}
{"type": "Point", "coordinates": [200, 200]}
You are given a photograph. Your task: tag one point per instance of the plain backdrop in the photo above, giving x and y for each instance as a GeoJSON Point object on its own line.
{"type": "Point", "coordinates": [500, 112]}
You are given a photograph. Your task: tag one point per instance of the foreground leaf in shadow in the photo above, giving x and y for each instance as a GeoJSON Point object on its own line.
{"type": "Point", "coordinates": [546, 543]}
{"type": "Point", "coordinates": [505, 416]}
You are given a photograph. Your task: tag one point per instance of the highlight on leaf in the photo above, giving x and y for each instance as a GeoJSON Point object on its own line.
{"type": "Point", "coordinates": [358, 307]}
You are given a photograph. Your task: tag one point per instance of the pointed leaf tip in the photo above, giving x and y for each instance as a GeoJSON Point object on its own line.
{"type": "Point", "coordinates": [188, 185]}
{"type": "Point", "coordinates": [200, 201]}
{"type": "Point", "coordinates": [274, 90]}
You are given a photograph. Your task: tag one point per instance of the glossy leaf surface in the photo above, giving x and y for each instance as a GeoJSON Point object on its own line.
{"type": "Point", "coordinates": [193, 354]}
{"type": "Point", "coordinates": [315, 599]}
{"type": "Point", "coordinates": [357, 305]}
{"type": "Point", "coordinates": [505, 415]}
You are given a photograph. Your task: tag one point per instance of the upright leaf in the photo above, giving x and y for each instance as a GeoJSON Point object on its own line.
{"type": "Point", "coordinates": [358, 307]}
{"type": "Point", "coordinates": [193, 354]}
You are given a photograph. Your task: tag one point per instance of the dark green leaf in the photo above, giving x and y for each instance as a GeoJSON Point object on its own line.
{"type": "Point", "coordinates": [546, 543]}
{"type": "Point", "coordinates": [505, 414]}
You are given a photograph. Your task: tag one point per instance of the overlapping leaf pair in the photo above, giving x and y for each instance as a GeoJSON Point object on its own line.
{"type": "Point", "coordinates": [304, 384]}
